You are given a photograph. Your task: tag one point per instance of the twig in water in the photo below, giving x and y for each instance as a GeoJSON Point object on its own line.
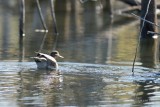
{"type": "Point", "coordinates": [22, 19]}
{"type": "Point", "coordinates": [42, 43]}
{"type": "Point", "coordinates": [83, 1]}
{"type": "Point", "coordinates": [154, 33]}
{"type": "Point", "coordinates": [55, 43]}
{"type": "Point", "coordinates": [40, 30]}
{"type": "Point", "coordinates": [54, 17]}
{"type": "Point", "coordinates": [140, 34]}
{"type": "Point", "coordinates": [145, 20]}
{"type": "Point", "coordinates": [41, 16]}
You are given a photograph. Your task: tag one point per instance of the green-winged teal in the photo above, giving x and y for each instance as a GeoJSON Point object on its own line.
{"type": "Point", "coordinates": [45, 61]}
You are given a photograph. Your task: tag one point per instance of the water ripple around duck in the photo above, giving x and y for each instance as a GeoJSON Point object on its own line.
{"type": "Point", "coordinates": [78, 84]}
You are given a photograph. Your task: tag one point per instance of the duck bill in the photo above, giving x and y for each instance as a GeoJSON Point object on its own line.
{"type": "Point", "coordinates": [60, 56]}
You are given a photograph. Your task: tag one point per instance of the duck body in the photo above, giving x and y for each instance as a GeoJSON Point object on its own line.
{"type": "Point", "coordinates": [45, 61]}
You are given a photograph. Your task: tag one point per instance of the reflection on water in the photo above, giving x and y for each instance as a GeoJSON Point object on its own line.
{"type": "Point", "coordinates": [77, 85]}
{"type": "Point", "coordinates": [87, 35]}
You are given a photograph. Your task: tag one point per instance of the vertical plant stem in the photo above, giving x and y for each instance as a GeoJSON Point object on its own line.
{"type": "Point", "coordinates": [54, 17]}
{"type": "Point", "coordinates": [22, 19]}
{"type": "Point", "coordinates": [41, 16]}
{"type": "Point", "coordinates": [148, 12]}
{"type": "Point", "coordinates": [148, 15]}
{"type": "Point", "coordinates": [21, 29]}
{"type": "Point", "coordinates": [42, 43]}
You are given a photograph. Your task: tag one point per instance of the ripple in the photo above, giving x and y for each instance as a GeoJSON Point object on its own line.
{"type": "Point", "coordinates": [89, 84]}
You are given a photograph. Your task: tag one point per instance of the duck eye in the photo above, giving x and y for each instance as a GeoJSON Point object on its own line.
{"type": "Point", "coordinates": [38, 54]}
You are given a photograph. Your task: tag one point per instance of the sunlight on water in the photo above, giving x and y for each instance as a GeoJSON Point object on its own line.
{"type": "Point", "coordinates": [79, 84]}
{"type": "Point", "coordinates": [98, 50]}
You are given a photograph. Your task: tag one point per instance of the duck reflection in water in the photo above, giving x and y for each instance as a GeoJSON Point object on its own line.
{"type": "Point", "coordinates": [45, 61]}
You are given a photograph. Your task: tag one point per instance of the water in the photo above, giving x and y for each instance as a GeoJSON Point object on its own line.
{"type": "Point", "coordinates": [77, 85]}
{"type": "Point", "coordinates": [96, 70]}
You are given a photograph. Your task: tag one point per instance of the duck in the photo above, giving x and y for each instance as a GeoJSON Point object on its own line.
{"type": "Point", "coordinates": [45, 61]}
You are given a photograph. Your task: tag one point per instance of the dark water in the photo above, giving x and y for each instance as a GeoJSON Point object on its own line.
{"type": "Point", "coordinates": [98, 51]}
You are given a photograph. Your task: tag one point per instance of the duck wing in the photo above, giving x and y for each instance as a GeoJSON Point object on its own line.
{"type": "Point", "coordinates": [48, 57]}
{"type": "Point", "coordinates": [39, 59]}
{"type": "Point", "coordinates": [45, 61]}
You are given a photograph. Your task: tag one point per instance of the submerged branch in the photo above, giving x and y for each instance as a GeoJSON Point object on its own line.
{"type": "Point", "coordinates": [145, 20]}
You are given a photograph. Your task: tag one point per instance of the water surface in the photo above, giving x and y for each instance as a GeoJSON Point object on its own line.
{"type": "Point", "coordinates": [77, 85]}
{"type": "Point", "coordinates": [98, 51]}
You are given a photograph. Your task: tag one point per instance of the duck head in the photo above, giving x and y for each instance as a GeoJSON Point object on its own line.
{"type": "Point", "coordinates": [55, 54]}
